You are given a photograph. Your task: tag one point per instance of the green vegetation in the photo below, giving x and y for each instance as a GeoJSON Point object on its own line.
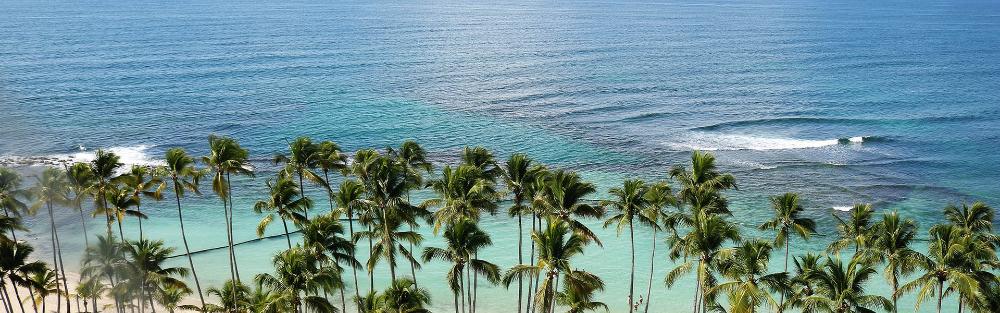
{"type": "Point", "coordinates": [688, 208]}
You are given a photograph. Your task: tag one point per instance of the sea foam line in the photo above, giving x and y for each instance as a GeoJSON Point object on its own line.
{"type": "Point", "coordinates": [716, 142]}
{"type": "Point", "coordinates": [128, 155]}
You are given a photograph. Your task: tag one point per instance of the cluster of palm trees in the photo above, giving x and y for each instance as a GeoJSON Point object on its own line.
{"type": "Point", "coordinates": [688, 210]}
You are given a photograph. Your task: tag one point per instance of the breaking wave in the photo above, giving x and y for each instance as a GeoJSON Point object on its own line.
{"type": "Point", "coordinates": [129, 155]}
{"type": "Point", "coordinates": [717, 142]}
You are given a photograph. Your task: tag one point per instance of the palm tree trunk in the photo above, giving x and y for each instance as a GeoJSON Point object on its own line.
{"type": "Point", "coordinates": [343, 301]}
{"type": "Point", "coordinates": [6, 299]}
{"type": "Point", "coordinates": [138, 208]}
{"type": "Point", "coordinates": [538, 277]}
{"type": "Point", "coordinates": [302, 193]}
{"type": "Point", "coordinates": [288, 236]}
{"type": "Point", "coordinates": [17, 294]}
{"type": "Point", "coordinates": [475, 285]}
{"type": "Point", "coordinates": [940, 295]}
{"type": "Point", "coordinates": [520, 254]}
{"type": "Point", "coordinates": [62, 269]}
{"type": "Point", "coordinates": [413, 265]}
{"type": "Point", "coordinates": [461, 287]}
{"type": "Point", "coordinates": [552, 294]}
{"type": "Point", "coordinates": [697, 290]}
{"type": "Point", "coordinates": [468, 286]}
{"type": "Point", "coordinates": [55, 256]}
{"type": "Point", "coordinates": [631, 276]}
{"type": "Point", "coordinates": [142, 296]}
{"type": "Point", "coordinates": [121, 233]}
{"type": "Point", "coordinates": [187, 249]}
{"type": "Point", "coordinates": [13, 235]}
{"type": "Point", "coordinates": [652, 262]}
{"type": "Point", "coordinates": [229, 241]}
{"type": "Point", "coordinates": [232, 213]}
{"type": "Point", "coordinates": [34, 306]}
{"type": "Point", "coordinates": [781, 296]}
{"type": "Point", "coordinates": [530, 307]}
{"type": "Point", "coordinates": [357, 290]}
{"type": "Point", "coordinates": [371, 273]}
{"type": "Point", "coordinates": [83, 225]}
{"type": "Point", "coordinates": [895, 292]}
{"type": "Point", "coordinates": [455, 293]}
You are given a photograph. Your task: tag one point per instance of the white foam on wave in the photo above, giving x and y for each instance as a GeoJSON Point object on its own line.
{"type": "Point", "coordinates": [132, 155]}
{"type": "Point", "coordinates": [843, 208]}
{"type": "Point", "coordinates": [714, 142]}
{"type": "Point", "coordinates": [128, 155]}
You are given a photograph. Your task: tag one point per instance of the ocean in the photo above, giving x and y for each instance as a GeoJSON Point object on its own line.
{"type": "Point", "coordinates": [896, 103]}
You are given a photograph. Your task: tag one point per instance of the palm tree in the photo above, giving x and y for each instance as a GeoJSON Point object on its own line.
{"type": "Point", "coordinates": [977, 219]}
{"type": "Point", "coordinates": [10, 191]}
{"type": "Point", "coordinates": [386, 209]}
{"type": "Point", "coordinates": [10, 224]}
{"type": "Point", "coordinates": [699, 246]}
{"type": "Point", "coordinates": [170, 298]}
{"type": "Point", "coordinates": [16, 267]}
{"type": "Point", "coordinates": [578, 293]}
{"type": "Point", "coordinates": [557, 245]}
{"type": "Point", "coordinates": [388, 242]}
{"type": "Point", "coordinates": [749, 285]}
{"type": "Point", "coordinates": [839, 288]}
{"type": "Point", "coordinates": [226, 157]}
{"type": "Point", "coordinates": [483, 159]}
{"type": "Point", "coordinates": [463, 193]}
{"type": "Point", "coordinates": [185, 177]}
{"type": "Point", "coordinates": [297, 280]}
{"type": "Point", "coordinates": [659, 197]}
{"type": "Point", "coordinates": [262, 300]}
{"type": "Point", "coordinates": [90, 290]}
{"type": "Point", "coordinates": [144, 265]}
{"type": "Point", "coordinates": [563, 196]}
{"type": "Point", "coordinates": [892, 246]}
{"type": "Point", "coordinates": [857, 231]}
{"type": "Point", "coordinates": [144, 183]}
{"type": "Point", "coordinates": [44, 283]}
{"type": "Point", "coordinates": [328, 158]}
{"type": "Point", "coordinates": [629, 201]}
{"type": "Point", "coordinates": [233, 297]}
{"type": "Point", "coordinates": [953, 264]}
{"type": "Point", "coordinates": [104, 168]}
{"type": "Point", "coordinates": [303, 157]}
{"type": "Point", "coordinates": [403, 296]}
{"type": "Point", "coordinates": [413, 158]}
{"type": "Point", "coordinates": [50, 190]}
{"type": "Point", "coordinates": [287, 202]}
{"type": "Point", "coordinates": [787, 210]}
{"type": "Point", "coordinates": [463, 239]}
{"type": "Point", "coordinates": [349, 197]}
{"type": "Point", "coordinates": [103, 260]}
{"type": "Point", "coordinates": [81, 183]}
{"type": "Point", "coordinates": [119, 202]}
{"type": "Point", "coordinates": [703, 175]}
{"type": "Point", "coordinates": [519, 175]}
{"type": "Point", "coordinates": [323, 235]}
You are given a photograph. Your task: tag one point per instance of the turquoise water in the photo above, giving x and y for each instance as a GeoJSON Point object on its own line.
{"type": "Point", "coordinates": [895, 103]}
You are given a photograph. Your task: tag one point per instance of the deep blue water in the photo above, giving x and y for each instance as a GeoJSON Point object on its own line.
{"type": "Point", "coordinates": [895, 103]}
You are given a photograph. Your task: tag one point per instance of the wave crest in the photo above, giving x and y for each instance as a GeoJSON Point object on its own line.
{"type": "Point", "coordinates": [722, 142]}
{"type": "Point", "coordinates": [129, 155]}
